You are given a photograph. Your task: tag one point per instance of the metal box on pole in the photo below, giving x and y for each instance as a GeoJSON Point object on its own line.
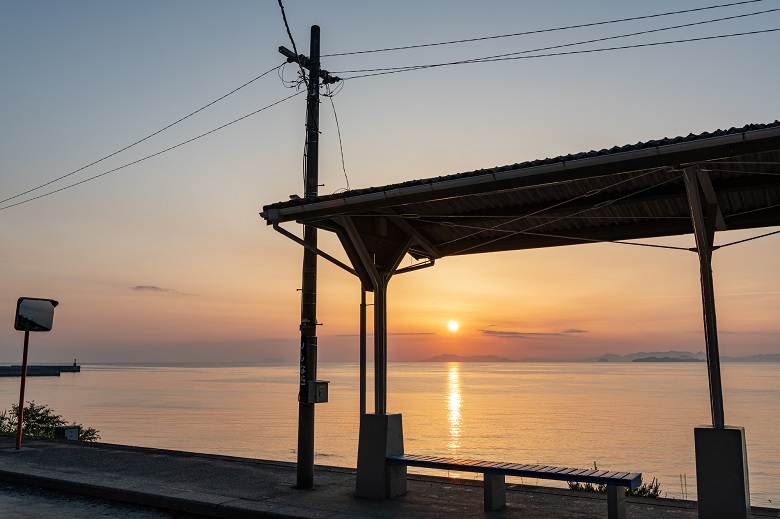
{"type": "Point", "coordinates": [318, 391]}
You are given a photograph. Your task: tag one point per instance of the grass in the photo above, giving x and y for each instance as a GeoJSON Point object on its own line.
{"type": "Point", "coordinates": [652, 489]}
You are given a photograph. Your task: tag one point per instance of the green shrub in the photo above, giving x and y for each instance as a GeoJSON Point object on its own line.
{"type": "Point", "coordinates": [652, 489]}
{"type": "Point", "coordinates": [39, 421]}
{"type": "Point", "coordinates": [587, 487]}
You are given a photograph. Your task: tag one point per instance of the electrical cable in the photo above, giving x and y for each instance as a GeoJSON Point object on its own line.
{"type": "Point", "coordinates": [295, 49]}
{"type": "Point", "coordinates": [145, 138]}
{"type": "Point", "coordinates": [336, 91]}
{"type": "Point", "coordinates": [584, 42]}
{"type": "Point", "coordinates": [152, 155]}
{"type": "Point", "coordinates": [297, 85]}
{"type": "Point", "coordinates": [329, 95]}
{"type": "Point", "coordinates": [286, 83]}
{"type": "Point", "coordinates": [304, 169]}
{"type": "Point", "coordinates": [587, 51]}
{"type": "Point", "coordinates": [579, 26]}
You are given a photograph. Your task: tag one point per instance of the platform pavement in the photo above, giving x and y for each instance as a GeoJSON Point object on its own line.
{"type": "Point", "coordinates": [231, 487]}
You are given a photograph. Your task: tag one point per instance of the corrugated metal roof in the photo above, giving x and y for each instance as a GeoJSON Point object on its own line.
{"type": "Point", "coordinates": [627, 192]}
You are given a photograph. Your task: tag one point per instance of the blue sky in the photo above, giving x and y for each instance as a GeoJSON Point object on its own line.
{"type": "Point", "coordinates": [82, 79]}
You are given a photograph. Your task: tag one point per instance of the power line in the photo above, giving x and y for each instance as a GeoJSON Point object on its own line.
{"type": "Point", "coordinates": [584, 42]}
{"type": "Point", "coordinates": [639, 33]}
{"type": "Point", "coordinates": [567, 53]}
{"type": "Point", "coordinates": [150, 156]}
{"type": "Point", "coordinates": [141, 140]}
{"type": "Point", "coordinates": [539, 31]}
{"type": "Point", "coordinates": [295, 49]}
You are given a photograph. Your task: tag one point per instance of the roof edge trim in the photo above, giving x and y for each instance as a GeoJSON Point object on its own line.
{"type": "Point", "coordinates": [276, 215]}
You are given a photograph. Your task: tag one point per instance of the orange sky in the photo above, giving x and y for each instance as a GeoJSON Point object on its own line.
{"type": "Point", "coordinates": [575, 302]}
{"type": "Point", "coordinates": [168, 259]}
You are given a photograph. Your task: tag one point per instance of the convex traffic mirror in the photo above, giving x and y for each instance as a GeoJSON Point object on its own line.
{"type": "Point", "coordinates": [34, 314]}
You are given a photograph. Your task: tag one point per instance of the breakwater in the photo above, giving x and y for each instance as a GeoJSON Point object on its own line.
{"type": "Point", "coordinates": [38, 370]}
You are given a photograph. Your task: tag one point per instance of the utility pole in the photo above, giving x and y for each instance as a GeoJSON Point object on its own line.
{"type": "Point", "coordinates": [307, 394]}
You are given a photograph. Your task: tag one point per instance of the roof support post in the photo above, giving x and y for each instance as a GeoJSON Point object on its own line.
{"type": "Point", "coordinates": [313, 249]}
{"type": "Point", "coordinates": [380, 266]}
{"type": "Point", "coordinates": [362, 349]}
{"type": "Point", "coordinates": [704, 225]}
{"type": "Point", "coordinates": [380, 345]}
{"type": "Point", "coordinates": [379, 285]}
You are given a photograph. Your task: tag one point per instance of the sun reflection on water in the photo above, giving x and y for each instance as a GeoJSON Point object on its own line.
{"type": "Point", "coordinates": [454, 403]}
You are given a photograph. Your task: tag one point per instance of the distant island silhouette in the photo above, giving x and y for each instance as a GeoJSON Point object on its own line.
{"type": "Point", "coordinates": [667, 359]}
{"type": "Point", "coordinates": [679, 356]}
{"type": "Point", "coordinates": [642, 356]}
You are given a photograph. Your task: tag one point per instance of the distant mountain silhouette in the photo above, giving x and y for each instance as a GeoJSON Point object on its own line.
{"type": "Point", "coordinates": [666, 359]}
{"type": "Point", "coordinates": [764, 357]}
{"type": "Point", "coordinates": [679, 356]}
{"type": "Point", "coordinates": [449, 357]}
{"type": "Point", "coordinates": [611, 357]}
{"type": "Point", "coordinates": [642, 356]}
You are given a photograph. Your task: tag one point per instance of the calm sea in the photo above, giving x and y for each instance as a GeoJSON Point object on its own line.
{"type": "Point", "coordinates": [637, 417]}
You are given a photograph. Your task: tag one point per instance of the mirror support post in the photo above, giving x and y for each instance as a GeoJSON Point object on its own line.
{"type": "Point", "coordinates": [20, 413]}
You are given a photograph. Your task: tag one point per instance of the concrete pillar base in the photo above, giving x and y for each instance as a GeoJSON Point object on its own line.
{"type": "Point", "coordinates": [381, 435]}
{"type": "Point", "coordinates": [494, 488]}
{"type": "Point", "coordinates": [616, 502]}
{"type": "Point", "coordinates": [722, 472]}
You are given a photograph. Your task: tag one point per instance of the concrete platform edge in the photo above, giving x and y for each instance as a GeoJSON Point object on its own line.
{"type": "Point", "coordinates": [229, 509]}
{"type": "Point", "coordinates": [207, 503]}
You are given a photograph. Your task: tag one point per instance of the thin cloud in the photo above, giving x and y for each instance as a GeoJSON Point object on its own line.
{"type": "Point", "coordinates": [154, 288]}
{"type": "Point", "coordinates": [151, 288]}
{"type": "Point", "coordinates": [371, 334]}
{"type": "Point", "coordinates": [732, 332]}
{"type": "Point", "coordinates": [507, 334]}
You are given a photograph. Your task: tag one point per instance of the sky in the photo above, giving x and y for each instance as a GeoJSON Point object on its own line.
{"type": "Point", "coordinates": [168, 260]}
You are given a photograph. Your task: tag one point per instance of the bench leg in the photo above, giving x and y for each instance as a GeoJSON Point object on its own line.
{"type": "Point", "coordinates": [495, 492]}
{"type": "Point", "coordinates": [616, 502]}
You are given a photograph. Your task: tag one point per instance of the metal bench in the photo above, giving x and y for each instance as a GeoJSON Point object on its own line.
{"type": "Point", "coordinates": [495, 477]}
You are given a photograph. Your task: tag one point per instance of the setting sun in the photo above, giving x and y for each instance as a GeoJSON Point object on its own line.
{"type": "Point", "coordinates": [453, 326]}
